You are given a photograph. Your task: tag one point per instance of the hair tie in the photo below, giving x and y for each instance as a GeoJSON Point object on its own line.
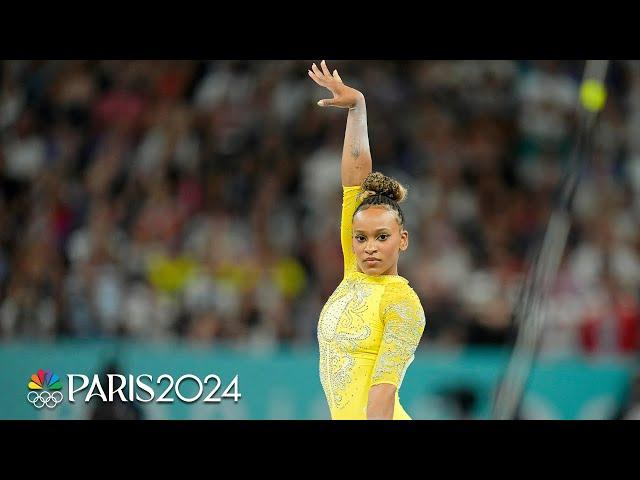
{"type": "Point", "coordinates": [367, 193]}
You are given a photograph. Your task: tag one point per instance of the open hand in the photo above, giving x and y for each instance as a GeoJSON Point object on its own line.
{"type": "Point", "coordinates": [343, 95]}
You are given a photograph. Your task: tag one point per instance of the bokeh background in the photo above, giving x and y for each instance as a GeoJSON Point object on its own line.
{"type": "Point", "coordinates": [183, 217]}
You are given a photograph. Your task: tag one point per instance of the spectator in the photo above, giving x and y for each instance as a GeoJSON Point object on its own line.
{"type": "Point", "coordinates": [146, 199]}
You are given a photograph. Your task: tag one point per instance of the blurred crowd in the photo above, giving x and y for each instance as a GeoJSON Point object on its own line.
{"type": "Point", "coordinates": [201, 199]}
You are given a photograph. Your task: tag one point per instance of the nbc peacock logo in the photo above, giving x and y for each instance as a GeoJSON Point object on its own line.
{"type": "Point", "coordinates": [45, 389]}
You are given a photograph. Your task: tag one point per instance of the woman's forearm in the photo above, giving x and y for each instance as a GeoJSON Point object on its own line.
{"type": "Point", "coordinates": [381, 402]}
{"type": "Point", "coordinates": [356, 155]}
{"type": "Point", "coordinates": [380, 413]}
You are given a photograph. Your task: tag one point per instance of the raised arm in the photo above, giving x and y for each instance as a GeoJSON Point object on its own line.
{"type": "Point", "coordinates": [356, 156]}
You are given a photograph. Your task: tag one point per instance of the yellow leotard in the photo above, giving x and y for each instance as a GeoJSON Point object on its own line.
{"type": "Point", "coordinates": [368, 331]}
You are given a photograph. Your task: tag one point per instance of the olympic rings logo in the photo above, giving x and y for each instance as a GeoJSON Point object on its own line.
{"type": "Point", "coordinates": [40, 399]}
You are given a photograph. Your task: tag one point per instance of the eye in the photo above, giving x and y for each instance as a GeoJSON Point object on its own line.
{"type": "Point", "coordinates": [360, 238]}
{"type": "Point", "coordinates": [384, 236]}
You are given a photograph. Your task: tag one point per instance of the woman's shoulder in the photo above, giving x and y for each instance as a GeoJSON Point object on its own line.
{"type": "Point", "coordinates": [401, 301]}
{"type": "Point", "coordinates": [401, 291]}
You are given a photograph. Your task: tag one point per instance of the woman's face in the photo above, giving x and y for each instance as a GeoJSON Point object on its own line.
{"type": "Point", "coordinates": [377, 241]}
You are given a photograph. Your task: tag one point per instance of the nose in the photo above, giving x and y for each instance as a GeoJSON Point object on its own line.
{"type": "Point", "coordinates": [370, 249]}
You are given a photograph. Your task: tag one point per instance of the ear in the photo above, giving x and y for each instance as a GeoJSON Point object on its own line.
{"type": "Point", "coordinates": [404, 240]}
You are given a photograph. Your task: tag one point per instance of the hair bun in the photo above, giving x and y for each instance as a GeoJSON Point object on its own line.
{"type": "Point", "coordinates": [378, 184]}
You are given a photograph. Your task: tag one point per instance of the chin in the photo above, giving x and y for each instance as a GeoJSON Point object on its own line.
{"type": "Point", "coordinates": [372, 270]}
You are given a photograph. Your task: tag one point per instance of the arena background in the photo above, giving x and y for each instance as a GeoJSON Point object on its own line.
{"type": "Point", "coordinates": [183, 217]}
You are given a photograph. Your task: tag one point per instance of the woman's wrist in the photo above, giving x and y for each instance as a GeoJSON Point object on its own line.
{"type": "Point", "coordinates": [360, 103]}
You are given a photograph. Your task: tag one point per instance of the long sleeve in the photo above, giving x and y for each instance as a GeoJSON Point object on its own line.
{"type": "Point", "coordinates": [349, 205]}
{"type": "Point", "coordinates": [404, 321]}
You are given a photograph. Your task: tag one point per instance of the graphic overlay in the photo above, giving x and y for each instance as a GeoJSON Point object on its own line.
{"type": "Point", "coordinates": [45, 389]}
{"type": "Point", "coordinates": [40, 385]}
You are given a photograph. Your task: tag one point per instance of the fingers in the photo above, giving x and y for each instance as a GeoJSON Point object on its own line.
{"type": "Point", "coordinates": [317, 71]}
{"type": "Point", "coordinates": [327, 102]}
{"type": "Point", "coordinates": [324, 78]}
{"type": "Point", "coordinates": [325, 69]}
{"type": "Point", "coordinates": [316, 79]}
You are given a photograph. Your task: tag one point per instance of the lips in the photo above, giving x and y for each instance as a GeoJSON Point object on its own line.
{"type": "Point", "coordinates": [371, 260]}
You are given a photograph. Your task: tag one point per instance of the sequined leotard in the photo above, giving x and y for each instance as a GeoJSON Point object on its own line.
{"type": "Point", "coordinates": [368, 331]}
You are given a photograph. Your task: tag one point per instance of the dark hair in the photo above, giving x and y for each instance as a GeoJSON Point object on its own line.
{"type": "Point", "coordinates": [378, 189]}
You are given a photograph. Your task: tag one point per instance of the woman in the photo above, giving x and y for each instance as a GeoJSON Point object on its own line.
{"type": "Point", "coordinates": [371, 325]}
